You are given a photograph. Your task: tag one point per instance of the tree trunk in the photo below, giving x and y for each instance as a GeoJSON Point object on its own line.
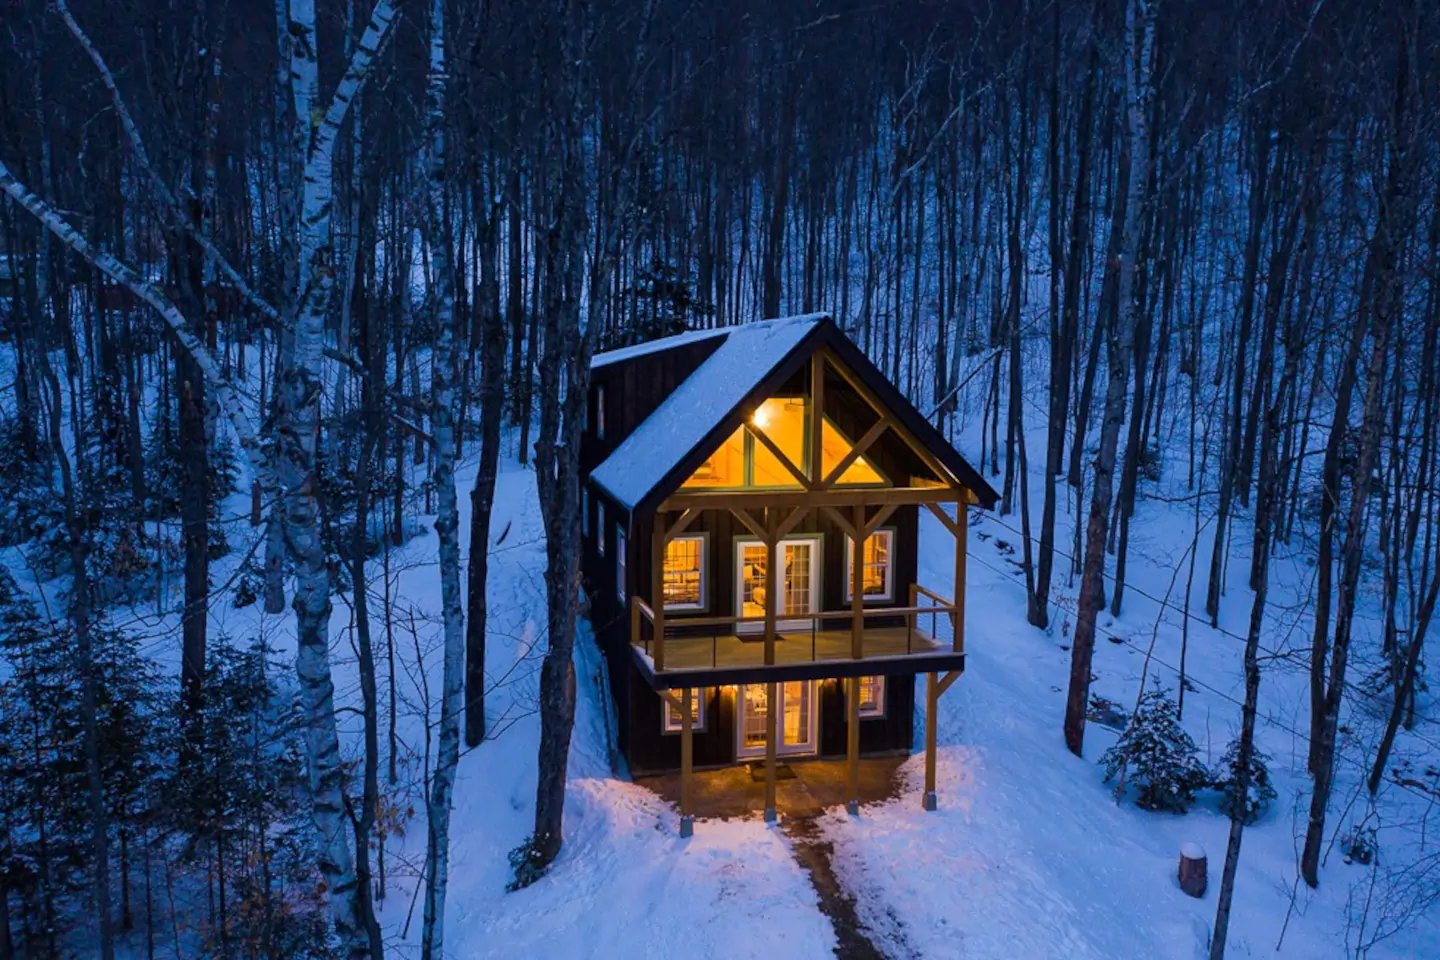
{"type": "Point", "coordinates": [1137, 51]}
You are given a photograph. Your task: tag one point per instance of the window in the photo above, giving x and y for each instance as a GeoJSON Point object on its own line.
{"type": "Point", "coordinates": [600, 527]}
{"type": "Point", "coordinates": [685, 573]}
{"type": "Point", "coordinates": [584, 513]}
{"type": "Point", "coordinates": [877, 575]}
{"type": "Point", "coordinates": [673, 718]}
{"type": "Point", "coordinates": [600, 413]}
{"type": "Point", "coordinates": [620, 562]}
{"type": "Point", "coordinates": [872, 696]}
{"type": "Point", "coordinates": [744, 461]}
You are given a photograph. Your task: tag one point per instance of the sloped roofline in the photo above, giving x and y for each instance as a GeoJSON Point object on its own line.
{"type": "Point", "coordinates": [825, 334]}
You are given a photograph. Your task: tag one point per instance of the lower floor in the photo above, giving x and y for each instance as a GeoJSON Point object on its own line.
{"type": "Point", "coordinates": [803, 788]}
{"type": "Point", "coordinates": [730, 723]}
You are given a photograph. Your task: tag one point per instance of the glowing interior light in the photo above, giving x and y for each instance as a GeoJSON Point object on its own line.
{"type": "Point", "coordinates": [761, 417]}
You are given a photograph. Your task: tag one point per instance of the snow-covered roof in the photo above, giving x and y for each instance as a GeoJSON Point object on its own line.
{"type": "Point", "coordinates": [656, 346]}
{"type": "Point", "coordinates": [748, 355]}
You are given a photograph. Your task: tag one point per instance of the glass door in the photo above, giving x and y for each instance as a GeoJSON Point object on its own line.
{"type": "Point", "coordinates": [797, 588]}
{"type": "Point", "coordinates": [796, 724]}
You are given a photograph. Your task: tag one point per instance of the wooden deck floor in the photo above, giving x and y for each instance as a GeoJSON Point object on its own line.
{"type": "Point", "coordinates": [815, 786]}
{"type": "Point", "coordinates": [722, 652]}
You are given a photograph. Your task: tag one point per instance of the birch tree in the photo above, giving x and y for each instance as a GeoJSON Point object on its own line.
{"type": "Point", "coordinates": [1138, 51]}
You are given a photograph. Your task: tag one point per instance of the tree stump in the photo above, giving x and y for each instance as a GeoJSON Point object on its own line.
{"type": "Point", "coordinates": [1192, 869]}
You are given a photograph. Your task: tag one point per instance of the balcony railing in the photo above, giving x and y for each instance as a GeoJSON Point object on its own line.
{"type": "Point", "coordinates": [925, 626]}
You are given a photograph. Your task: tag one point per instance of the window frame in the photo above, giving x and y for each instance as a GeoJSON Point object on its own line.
{"type": "Point", "coordinates": [600, 411]}
{"type": "Point", "coordinates": [600, 526]}
{"type": "Point", "coordinates": [878, 709]}
{"type": "Point", "coordinates": [704, 603]}
{"type": "Point", "coordinates": [585, 512]}
{"type": "Point", "coordinates": [669, 715]}
{"type": "Point", "coordinates": [620, 562]}
{"type": "Point", "coordinates": [889, 595]}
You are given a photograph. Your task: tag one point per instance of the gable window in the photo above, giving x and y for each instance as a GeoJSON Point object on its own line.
{"type": "Point", "coordinates": [872, 696]}
{"type": "Point", "coordinates": [600, 527]}
{"type": "Point", "coordinates": [685, 573]}
{"type": "Point", "coordinates": [585, 513]}
{"type": "Point", "coordinates": [674, 719]}
{"type": "Point", "coordinates": [619, 562]}
{"type": "Point", "coordinates": [600, 412]}
{"type": "Point", "coordinates": [877, 573]}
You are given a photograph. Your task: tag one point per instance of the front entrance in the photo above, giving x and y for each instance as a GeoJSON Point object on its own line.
{"type": "Point", "coordinates": [797, 587]}
{"type": "Point", "coordinates": [795, 726]}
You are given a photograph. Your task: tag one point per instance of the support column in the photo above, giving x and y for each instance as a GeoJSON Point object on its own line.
{"type": "Point", "coordinates": [932, 706]}
{"type": "Point", "coordinates": [772, 708]}
{"type": "Point", "coordinates": [687, 761]}
{"type": "Point", "coordinates": [857, 581]}
{"type": "Point", "coordinates": [962, 534]}
{"type": "Point", "coordinates": [852, 749]}
{"type": "Point", "coordinates": [657, 588]}
{"type": "Point", "coordinates": [772, 563]}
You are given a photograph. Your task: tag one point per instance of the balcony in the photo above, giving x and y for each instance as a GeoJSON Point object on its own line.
{"type": "Point", "coordinates": [711, 651]}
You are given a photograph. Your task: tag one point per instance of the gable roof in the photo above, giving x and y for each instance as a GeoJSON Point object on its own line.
{"type": "Point", "coordinates": [751, 362]}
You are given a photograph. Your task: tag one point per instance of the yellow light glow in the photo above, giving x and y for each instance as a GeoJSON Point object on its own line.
{"type": "Point", "coordinates": [761, 417]}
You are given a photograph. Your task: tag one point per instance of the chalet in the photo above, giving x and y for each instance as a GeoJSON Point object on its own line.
{"type": "Point", "coordinates": [751, 500]}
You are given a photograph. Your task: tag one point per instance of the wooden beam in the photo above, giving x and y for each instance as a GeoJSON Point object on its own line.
{"type": "Point", "coordinates": [866, 441]}
{"type": "Point", "coordinates": [880, 517]}
{"type": "Point", "coordinates": [817, 415]}
{"type": "Point", "coordinates": [792, 521]}
{"type": "Point", "coordinates": [932, 699]}
{"type": "Point", "coordinates": [657, 589]}
{"type": "Point", "coordinates": [845, 497]}
{"type": "Point", "coordinates": [771, 708]}
{"type": "Point", "coordinates": [743, 515]}
{"type": "Point", "coordinates": [852, 748]}
{"type": "Point", "coordinates": [946, 681]}
{"type": "Point", "coordinates": [857, 579]}
{"type": "Point", "coordinates": [841, 521]}
{"type": "Point", "coordinates": [687, 763]}
{"type": "Point", "coordinates": [962, 536]}
{"type": "Point", "coordinates": [779, 454]}
{"type": "Point", "coordinates": [679, 526]}
{"type": "Point", "coordinates": [944, 518]}
{"type": "Point", "coordinates": [772, 563]}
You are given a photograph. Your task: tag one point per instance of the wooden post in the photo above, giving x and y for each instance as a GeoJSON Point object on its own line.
{"type": "Point", "coordinates": [815, 468]}
{"type": "Point", "coordinates": [635, 621]}
{"type": "Point", "coordinates": [772, 705]}
{"type": "Point", "coordinates": [852, 749]}
{"type": "Point", "coordinates": [657, 588]}
{"type": "Point", "coordinates": [962, 534]}
{"type": "Point", "coordinates": [932, 705]}
{"type": "Point", "coordinates": [687, 761]}
{"type": "Point", "coordinates": [857, 580]}
{"type": "Point", "coordinates": [772, 550]}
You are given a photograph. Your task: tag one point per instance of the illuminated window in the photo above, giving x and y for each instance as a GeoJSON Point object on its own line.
{"type": "Point", "coordinates": [673, 717]}
{"type": "Point", "coordinates": [744, 460]}
{"type": "Point", "coordinates": [685, 573]}
{"type": "Point", "coordinates": [834, 447]}
{"type": "Point", "coordinates": [619, 562]}
{"type": "Point", "coordinates": [877, 574]}
{"type": "Point", "coordinates": [872, 696]}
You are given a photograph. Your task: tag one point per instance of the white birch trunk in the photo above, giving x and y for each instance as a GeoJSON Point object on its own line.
{"type": "Point", "coordinates": [300, 389]}
{"type": "Point", "coordinates": [447, 523]}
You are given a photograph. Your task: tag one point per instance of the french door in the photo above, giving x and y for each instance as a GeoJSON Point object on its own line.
{"type": "Point", "coordinates": [795, 726]}
{"type": "Point", "coordinates": [797, 586]}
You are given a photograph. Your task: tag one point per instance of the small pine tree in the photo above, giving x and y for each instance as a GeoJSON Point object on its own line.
{"type": "Point", "coordinates": [1157, 756]}
{"type": "Point", "coordinates": [1228, 783]}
